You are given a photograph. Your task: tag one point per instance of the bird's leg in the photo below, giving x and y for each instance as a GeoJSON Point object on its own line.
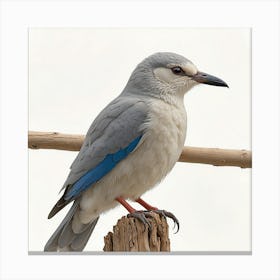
{"type": "Point", "coordinates": [143, 215]}
{"type": "Point", "coordinates": [145, 204]}
{"type": "Point", "coordinates": [140, 215]}
{"type": "Point", "coordinates": [160, 212]}
{"type": "Point", "coordinates": [126, 205]}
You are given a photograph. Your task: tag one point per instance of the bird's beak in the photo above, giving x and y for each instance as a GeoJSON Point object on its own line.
{"type": "Point", "coordinates": [204, 78]}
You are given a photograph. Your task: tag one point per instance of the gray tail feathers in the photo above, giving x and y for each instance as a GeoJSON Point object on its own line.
{"type": "Point", "coordinates": [65, 239]}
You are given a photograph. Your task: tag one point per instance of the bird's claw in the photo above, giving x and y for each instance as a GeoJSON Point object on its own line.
{"type": "Point", "coordinates": [143, 215]}
{"type": "Point", "coordinates": [167, 214]}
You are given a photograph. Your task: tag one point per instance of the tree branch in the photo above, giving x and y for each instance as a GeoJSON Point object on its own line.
{"type": "Point", "coordinates": [214, 156]}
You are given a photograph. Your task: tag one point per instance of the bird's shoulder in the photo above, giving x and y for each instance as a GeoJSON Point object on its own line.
{"type": "Point", "coordinates": [117, 125]}
{"type": "Point", "coordinates": [116, 112]}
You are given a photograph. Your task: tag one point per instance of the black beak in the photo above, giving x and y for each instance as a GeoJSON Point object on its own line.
{"type": "Point", "coordinates": [204, 78]}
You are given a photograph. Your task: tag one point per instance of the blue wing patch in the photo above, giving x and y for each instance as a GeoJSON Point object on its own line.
{"type": "Point", "coordinates": [104, 167]}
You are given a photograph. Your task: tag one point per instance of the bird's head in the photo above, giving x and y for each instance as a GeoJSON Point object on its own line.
{"type": "Point", "coordinates": [164, 74]}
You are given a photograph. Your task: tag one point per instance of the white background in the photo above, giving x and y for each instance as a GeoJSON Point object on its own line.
{"type": "Point", "coordinates": [74, 73]}
{"type": "Point", "coordinates": [263, 16]}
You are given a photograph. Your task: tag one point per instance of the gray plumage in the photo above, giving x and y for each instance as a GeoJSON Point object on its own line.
{"type": "Point", "coordinates": [151, 106]}
{"type": "Point", "coordinates": [142, 81]}
{"type": "Point", "coordinates": [64, 237]}
{"type": "Point", "coordinates": [122, 119]}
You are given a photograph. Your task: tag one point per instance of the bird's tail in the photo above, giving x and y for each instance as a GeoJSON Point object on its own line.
{"type": "Point", "coordinates": [65, 239]}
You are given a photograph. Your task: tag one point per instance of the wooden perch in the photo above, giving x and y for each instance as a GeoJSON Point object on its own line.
{"type": "Point", "coordinates": [214, 156]}
{"type": "Point", "coordinates": [54, 140]}
{"type": "Point", "coordinates": [131, 235]}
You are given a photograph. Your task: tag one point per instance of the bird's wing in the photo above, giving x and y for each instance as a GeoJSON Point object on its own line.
{"type": "Point", "coordinates": [114, 134]}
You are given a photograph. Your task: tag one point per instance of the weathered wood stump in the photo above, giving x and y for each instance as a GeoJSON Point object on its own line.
{"type": "Point", "coordinates": [131, 235]}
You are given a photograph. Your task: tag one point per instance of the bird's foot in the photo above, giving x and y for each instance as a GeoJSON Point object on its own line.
{"type": "Point", "coordinates": [143, 215]}
{"type": "Point", "coordinates": [167, 214]}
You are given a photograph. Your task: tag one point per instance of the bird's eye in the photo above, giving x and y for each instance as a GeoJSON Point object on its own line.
{"type": "Point", "coordinates": [177, 70]}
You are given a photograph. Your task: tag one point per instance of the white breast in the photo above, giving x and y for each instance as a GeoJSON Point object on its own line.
{"type": "Point", "coordinates": [164, 139]}
{"type": "Point", "coordinates": [158, 151]}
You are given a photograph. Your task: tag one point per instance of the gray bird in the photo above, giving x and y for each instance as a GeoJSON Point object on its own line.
{"type": "Point", "coordinates": [129, 148]}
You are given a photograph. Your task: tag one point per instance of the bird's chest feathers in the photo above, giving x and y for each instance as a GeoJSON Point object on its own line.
{"type": "Point", "coordinates": [166, 131]}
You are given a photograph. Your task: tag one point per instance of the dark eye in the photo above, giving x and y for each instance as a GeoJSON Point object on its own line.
{"type": "Point", "coordinates": [177, 70]}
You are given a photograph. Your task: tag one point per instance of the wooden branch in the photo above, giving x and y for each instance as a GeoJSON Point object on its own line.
{"type": "Point", "coordinates": [214, 156]}
{"type": "Point", "coordinates": [55, 140]}
{"type": "Point", "coordinates": [217, 157]}
{"type": "Point", "coordinates": [131, 235]}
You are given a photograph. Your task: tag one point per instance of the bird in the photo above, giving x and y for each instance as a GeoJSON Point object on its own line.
{"type": "Point", "coordinates": [129, 148]}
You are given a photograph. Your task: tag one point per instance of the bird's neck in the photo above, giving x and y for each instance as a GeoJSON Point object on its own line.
{"type": "Point", "coordinates": [166, 94]}
{"type": "Point", "coordinates": [170, 98]}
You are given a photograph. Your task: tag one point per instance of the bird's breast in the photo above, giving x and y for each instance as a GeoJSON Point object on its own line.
{"type": "Point", "coordinates": [162, 144]}
{"type": "Point", "coordinates": [165, 133]}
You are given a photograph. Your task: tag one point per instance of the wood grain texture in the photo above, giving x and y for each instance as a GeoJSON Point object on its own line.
{"type": "Point", "coordinates": [131, 235]}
